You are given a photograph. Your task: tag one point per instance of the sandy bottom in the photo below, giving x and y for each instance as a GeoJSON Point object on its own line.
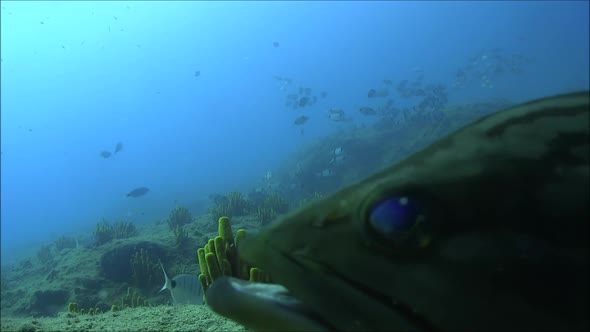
{"type": "Point", "coordinates": [160, 318]}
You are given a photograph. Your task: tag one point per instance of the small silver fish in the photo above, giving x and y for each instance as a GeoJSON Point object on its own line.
{"type": "Point", "coordinates": [184, 288]}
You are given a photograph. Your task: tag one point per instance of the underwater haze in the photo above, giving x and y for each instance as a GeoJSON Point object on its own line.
{"type": "Point", "coordinates": [191, 95]}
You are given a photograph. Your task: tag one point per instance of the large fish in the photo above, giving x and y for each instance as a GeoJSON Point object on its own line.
{"type": "Point", "coordinates": [486, 229]}
{"type": "Point", "coordinates": [138, 192]}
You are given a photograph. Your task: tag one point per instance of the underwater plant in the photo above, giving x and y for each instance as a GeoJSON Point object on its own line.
{"type": "Point", "coordinates": [179, 216]}
{"type": "Point", "coordinates": [238, 205]}
{"type": "Point", "coordinates": [132, 299]}
{"type": "Point", "coordinates": [219, 210]}
{"type": "Point", "coordinates": [106, 232]}
{"type": "Point", "coordinates": [234, 204]}
{"type": "Point", "coordinates": [124, 229]}
{"type": "Point", "coordinates": [73, 308]}
{"type": "Point", "coordinates": [103, 232]}
{"type": "Point", "coordinates": [265, 215]}
{"type": "Point", "coordinates": [270, 207]}
{"type": "Point", "coordinates": [64, 242]}
{"type": "Point", "coordinates": [145, 270]}
{"type": "Point", "coordinates": [180, 235]}
{"type": "Point", "coordinates": [275, 202]}
{"type": "Point", "coordinates": [45, 254]}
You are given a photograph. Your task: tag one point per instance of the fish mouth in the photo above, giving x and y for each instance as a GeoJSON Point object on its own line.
{"type": "Point", "coordinates": [262, 306]}
{"type": "Point", "coordinates": [272, 307]}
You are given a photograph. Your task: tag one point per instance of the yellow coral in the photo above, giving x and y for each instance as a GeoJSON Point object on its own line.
{"type": "Point", "coordinates": [131, 300]}
{"type": "Point", "coordinates": [225, 231]}
{"type": "Point", "coordinates": [219, 257]}
{"type": "Point", "coordinates": [72, 307]}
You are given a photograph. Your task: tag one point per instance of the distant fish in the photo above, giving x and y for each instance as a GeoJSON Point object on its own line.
{"type": "Point", "coordinates": [300, 120]}
{"type": "Point", "coordinates": [276, 44]}
{"type": "Point", "coordinates": [337, 115]}
{"type": "Point", "coordinates": [184, 288]}
{"type": "Point", "coordinates": [197, 73]}
{"type": "Point", "coordinates": [337, 160]}
{"type": "Point", "coordinates": [137, 192]}
{"type": "Point", "coordinates": [325, 173]}
{"type": "Point", "coordinates": [105, 154]}
{"type": "Point", "coordinates": [374, 93]}
{"type": "Point", "coordinates": [367, 111]}
{"type": "Point", "coordinates": [118, 147]}
{"type": "Point", "coordinates": [303, 101]}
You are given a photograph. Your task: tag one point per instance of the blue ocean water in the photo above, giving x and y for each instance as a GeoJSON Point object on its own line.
{"type": "Point", "coordinates": [197, 93]}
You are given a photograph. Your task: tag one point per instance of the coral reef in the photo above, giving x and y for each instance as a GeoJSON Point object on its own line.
{"type": "Point", "coordinates": [179, 216]}
{"type": "Point", "coordinates": [219, 257]}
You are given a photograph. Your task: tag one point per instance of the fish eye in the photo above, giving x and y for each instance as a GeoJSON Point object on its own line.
{"type": "Point", "coordinates": [400, 222]}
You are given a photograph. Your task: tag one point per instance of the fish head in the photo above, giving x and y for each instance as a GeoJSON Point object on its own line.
{"type": "Point", "coordinates": [487, 228]}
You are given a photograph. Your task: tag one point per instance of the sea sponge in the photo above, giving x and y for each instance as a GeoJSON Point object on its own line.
{"type": "Point", "coordinates": [219, 257]}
